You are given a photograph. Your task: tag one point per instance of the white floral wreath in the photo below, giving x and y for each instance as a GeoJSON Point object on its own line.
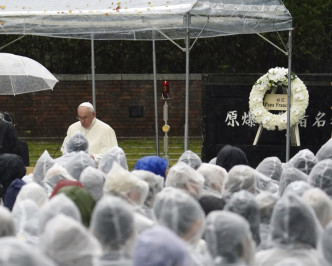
{"type": "Point", "coordinates": [274, 78]}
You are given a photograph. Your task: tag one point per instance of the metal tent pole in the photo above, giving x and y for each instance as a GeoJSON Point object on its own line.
{"type": "Point", "coordinates": [186, 125]}
{"type": "Point", "coordinates": [93, 72]}
{"type": "Point", "coordinates": [155, 94]}
{"type": "Point", "coordinates": [288, 142]}
{"type": "Point", "coordinates": [19, 38]}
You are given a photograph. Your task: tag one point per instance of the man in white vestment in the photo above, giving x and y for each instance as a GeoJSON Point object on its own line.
{"type": "Point", "coordinates": [101, 136]}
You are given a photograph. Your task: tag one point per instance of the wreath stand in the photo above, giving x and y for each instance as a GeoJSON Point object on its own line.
{"type": "Point", "coordinates": [295, 135]}
{"type": "Point", "coordinates": [294, 130]}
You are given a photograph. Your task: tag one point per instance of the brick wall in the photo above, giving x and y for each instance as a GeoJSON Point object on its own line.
{"type": "Point", "coordinates": [49, 113]}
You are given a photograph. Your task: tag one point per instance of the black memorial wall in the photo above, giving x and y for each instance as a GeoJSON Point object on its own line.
{"type": "Point", "coordinates": [226, 118]}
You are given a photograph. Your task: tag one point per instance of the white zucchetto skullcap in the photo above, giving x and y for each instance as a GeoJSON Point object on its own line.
{"type": "Point", "coordinates": [87, 104]}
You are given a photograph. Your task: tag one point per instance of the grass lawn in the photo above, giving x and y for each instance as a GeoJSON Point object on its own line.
{"type": "Point", "coordinates": [134, 148]}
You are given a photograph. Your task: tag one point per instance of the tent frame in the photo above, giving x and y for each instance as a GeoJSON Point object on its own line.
{"type": "Point", "coordinates": [187, 50]}
{"type": "Point", "coordinates": [202, 18]}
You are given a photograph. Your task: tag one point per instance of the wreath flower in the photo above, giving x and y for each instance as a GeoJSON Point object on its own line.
{"type": "Point", "coordinates": [278, 78]}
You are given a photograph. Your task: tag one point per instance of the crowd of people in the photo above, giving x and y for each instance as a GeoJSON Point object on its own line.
{"type": "Point", "coordinates": [70, 211]}
{"type": "Point", "coordinates": [87, 208]}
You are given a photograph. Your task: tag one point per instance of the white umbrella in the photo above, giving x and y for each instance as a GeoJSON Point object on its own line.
{"type": "Point", "coordinates": [19, 74]}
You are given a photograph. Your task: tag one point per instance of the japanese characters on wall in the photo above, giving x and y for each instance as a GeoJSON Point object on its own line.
{"type": "Point", "coordinates": [235, 119]}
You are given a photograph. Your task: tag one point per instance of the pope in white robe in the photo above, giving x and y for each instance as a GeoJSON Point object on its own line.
{"type": "Point", "coordinates": [101, 136]}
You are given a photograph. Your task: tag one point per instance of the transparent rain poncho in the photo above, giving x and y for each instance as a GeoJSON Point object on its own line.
{"type": "Point", "coordinates": [7, 226]}
{"type": "Point", "coordinates": [294, 222]}
{"type": "Point", "coordinates": [181, 213]}
{"type": "Point", "coordinates": [114, 154]}
{"type": "Point", "coordinates": [34, 192]}
{"type": "Point", "coordinates": [44, 163]}
{"type": "Point", "coordinates": [265, 183]}
{"type": "Point", "coordinates": [184, 177]}
{"type": "Point", "coordinates": [304, 160]}
{"type": "Point", "coordinates": [298, 187]}
{"type": "Point", "coordinates": [112, 223]}
{"type": "Point", "coordinates": [118, 181]}
{"type": "Point", "coordinates": [156, 183]}
{"type": "Point", "coordinates": [178, 211]}
{"type": "Point", "coordinates": [74, 145]}
{"type": "Point", "coordinates": [60, 203]}
{"type": "Point", "coordinates": [244, 204]}
{"type": "Point", "coordinates": [240, 177]}
{"type": "Point", "coordinates": [77, 143]}
{"type": "Point", "coordinates": [93, 181]}
{"type": "Point", "coordinates": [154, 164]}
{"type": "Point", "coordinates": [28, 178]}
{"type": "Point", "coordinates": [325, 152]}
{"type": "Point", "coordinates": [78, 163]}
{"type": "Point", "coordinates": [229, 239]}
{"type": "Point", "coordinates": [230, 156]}
{"type": "Point", "coordinates": [53, 176]}
{"type": "Point", "coordinates": [320, 202]}
{"type": "Point", "coordinates": [15, 252]}
{"type": "Point", "coordinates": [270, 167]}
{"type": "Point", "coordinates": [122, 183]}
{"type": "Point", "coordinates": [214, 178]}
{"type": "Point", "coordinates": [213, 160]}
{"type": "Point", "coordinates": [26, 215]}
{"type": "Point", "coordinates": [160, 246]}
{"type": "Point", "coordinates": [289, 175]}
{"type": "Point", "coordinates": [266, 202]}
{"type": "Point", "coordinates": [325, 245]}
{"type": "Point", "coordinates": [191, 158]}
{"type": "Point", "coordinates": [68, 242]}
{"type": "Point", "coordinates": [289, 262]}
{"type": "Point", "coordinates": [294, 233]}
{"type": "Point", "coordinates": [321, 176]}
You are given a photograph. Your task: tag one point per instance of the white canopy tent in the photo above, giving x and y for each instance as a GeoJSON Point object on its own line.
{"type": "Point", "coordinates": [148, 20]}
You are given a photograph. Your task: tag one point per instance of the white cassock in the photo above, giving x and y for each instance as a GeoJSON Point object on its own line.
{"type": "Point", "coordinates": [101, 137]}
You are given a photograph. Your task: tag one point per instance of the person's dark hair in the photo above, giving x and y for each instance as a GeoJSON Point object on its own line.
{"type": "Point", "coordinates": [211, 203]}
{"type": "Point", "coordinates": [245, 204]}
{"type": "Point", "coordinates": [11, 167]}
{"type": "Point", "coordinates": [293, 221]}
{"type": "Point", "coordinates": [230, 156]}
